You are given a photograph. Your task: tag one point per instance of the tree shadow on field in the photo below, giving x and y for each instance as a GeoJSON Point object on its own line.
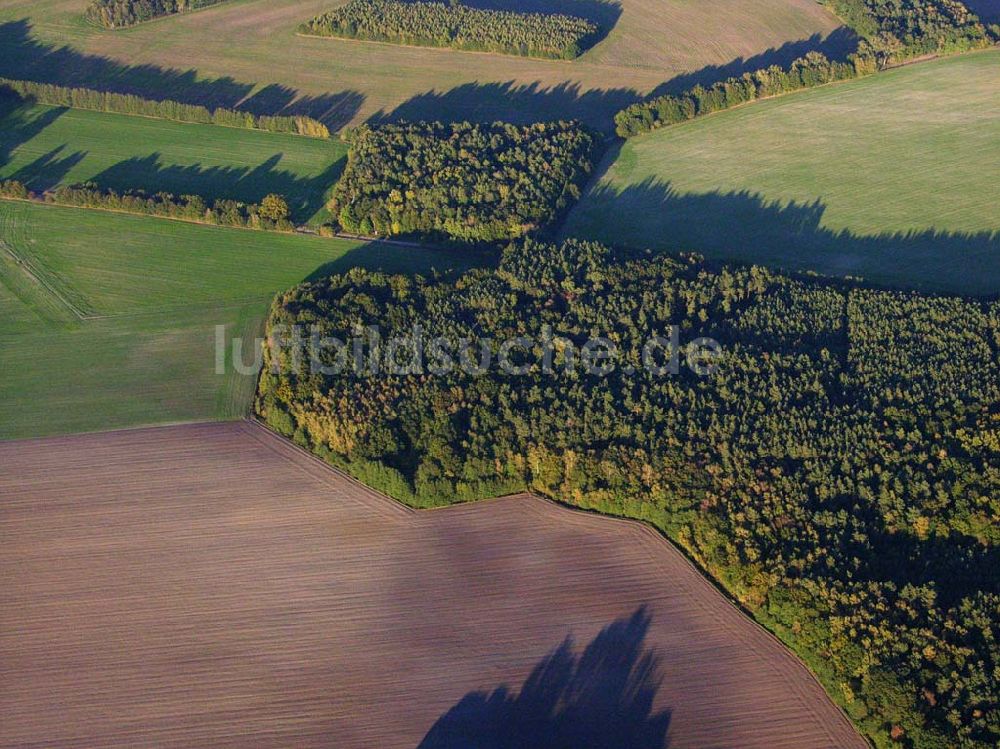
{"type": "Point", "coordinates": [25, 57]}
{"type": "Point", "coordinates": [745, 227]}
{"type": "Point", "coordinates": [524, 103]}
{"type": "Point", "coordinates": [395, 258]}
{"type": "Point", "coordinates": [48, 170]}
{"type": "Point", "coordinates": [305, 195]}
{"type": "Point", "coordinates": [837, 45]}
{"type": "Point", "coordinates": [19, 125]}
{"type": "Point", "coordinates": [987, 10]}
{"type": "Point", "coordinates": [520, 103]}
{"type": "Point", "coordinates": [601, 698]}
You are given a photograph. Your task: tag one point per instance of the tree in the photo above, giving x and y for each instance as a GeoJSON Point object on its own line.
{"type": "Point", "coordinates": [274, 207]}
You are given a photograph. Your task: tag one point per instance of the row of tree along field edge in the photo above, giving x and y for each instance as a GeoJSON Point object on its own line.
{"type": "Point", "coordinates": [465, 182]}
{"type": "Point", "coordinates": [814, 69]}
{"type": "Point", "coordinates": [117, 14]}
{"type": "Point", "coordinates": [891, 31]}
{"type": "Point", "coordinates": [109, 101]}
{"type": "Point", "coordinates": [272, 213]}
{"type": "Point", "coordinates": [434, 24]}
{"type": "Point", "coordinates": [837, 469]}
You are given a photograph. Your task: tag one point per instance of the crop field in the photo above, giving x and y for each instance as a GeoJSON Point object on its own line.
{"type": "Point", "coordinates": [297, 608]}
{"type": "Point", "coordinates": [891, 178]}
{"type": "Point", "coordinates": [45, 146]}
{"type": "Point", "coordinates": [108, 320]}
{"type": "Point", "coordinates": [247, 50]}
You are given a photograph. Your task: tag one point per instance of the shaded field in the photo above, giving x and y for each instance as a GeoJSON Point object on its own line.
{"type": "Point", "coordinates": [246, 52]}
{"type": "Point", "coordinates": [151, 293]}
{"type": "Point", "coordinates": [297, 608]}
{"type": "Point", "coordinates": [892, 178]}
{"type": "Point", "coordinates": [45, 146]}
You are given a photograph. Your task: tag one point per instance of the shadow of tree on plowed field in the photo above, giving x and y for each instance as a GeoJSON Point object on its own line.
{"type": "Point", "coordinates": [25, 57]}
{"type": "Point", "coordinates": [602, 697]}
{"type": "Point", "coordinates": [532, 102]}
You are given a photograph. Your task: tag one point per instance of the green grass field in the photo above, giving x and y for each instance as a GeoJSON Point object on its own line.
{"type": "Point", "coordinates": [892, 178]}
{"type": "Point", "coordinates": [152, 292]}
{"type": "Point", "coordinates": [248, 48]}
{"type": "Point", "coordinates": [45, 146]}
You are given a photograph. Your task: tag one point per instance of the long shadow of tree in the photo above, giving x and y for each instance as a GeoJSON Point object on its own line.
{"type": "Point", "coordinates": [745, 227]}
{"type": "Point", "coordinates": [19, 125]}
{"type": "Point", "coordinates": [49, 169]}
{"type": "Point", "coordinates": [305, 195]}
{"type": "Point", "coordinates": [28, 58]}
{"type": "Point", "coordinates": [837, 45]}
{"type": "Point", "coordinates": [987, 10]}
{"type": "Point", "coordinates": [600, 698]}
{"type": "Point", "coordinates": [532, 102]}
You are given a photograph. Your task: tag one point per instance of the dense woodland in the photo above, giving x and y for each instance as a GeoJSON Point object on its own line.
{"type": "Point", "coordinates": [458, 26]}
{"type": "Point", "coordinates": [895, 30]}
{"type": "Point", "coordinates": [812, 70]}
{"type": "Point", "coordinates": [109, 101]}
{"type": "Point", "coordinates": [464, 182]}
{"type": "Point", "coordinates": [116, 14]}
{"type": "Point", "coordinates": [839, 471]}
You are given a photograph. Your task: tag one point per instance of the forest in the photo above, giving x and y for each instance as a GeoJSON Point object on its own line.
{"type": "Point", "coordinates": [837, 470]}
{"type": "Point", "coordinates": [464, 182]}
{"type": "Point", "coordinates": [896, 30]}
{"type": "Point", "coordinates": [814, 69]}
{"type": "Point", "coordinates": [457, 26]}
{"type": "Point", "coordinates": [116, 14]}
{"type": "Point", "coordinates": [109, 101]}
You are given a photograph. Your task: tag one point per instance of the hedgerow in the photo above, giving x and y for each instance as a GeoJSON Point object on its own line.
{"type": "Point", "coordinates": [116, 14]}
{"type": "Point", "coordinates": [813, 69]}
{"type": "Point", "coordinates": [109, 101]}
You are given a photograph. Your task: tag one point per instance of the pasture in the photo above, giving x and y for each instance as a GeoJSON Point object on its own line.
{"type": "Point", "coordinates": [891, 178]}
{"type": "Point", "coordinates": [108, 320]}
{"type": "Point", "coordinates": [212, 585]}
{"type": "Point", "coordinates": [45, 146]}
{"type": "Point", "coordinates": [247, 51]}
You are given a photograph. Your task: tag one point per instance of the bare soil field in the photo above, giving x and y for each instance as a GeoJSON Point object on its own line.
{"type": "Point", "coordinates": [212, 585]}
{"type": "Point", "coordinates": [246, 52]}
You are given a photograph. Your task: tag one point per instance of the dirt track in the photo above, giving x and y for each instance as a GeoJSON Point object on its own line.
{"type": "Point", "coordinates": [211, 586]}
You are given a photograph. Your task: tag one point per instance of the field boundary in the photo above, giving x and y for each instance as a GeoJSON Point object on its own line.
{"type": "Point", "coordinates": [285, 447]}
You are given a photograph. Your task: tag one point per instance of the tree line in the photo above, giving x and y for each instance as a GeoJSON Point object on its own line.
{"type": "Point", "coordinates": [891, 30]}
{"type": "Point", "coordinates": [271, 214]}
{"type": "Point", "coordinates": [838, 472]}
{"type": "Point", "coordinates": [116, 14]}
{"type": "Point", "coordinates": [457, 26]}
{"type": "Point", "coordinates": [814, 69]}
{"type": "Point", "coordinates": [109, 101]}
{"type": "Point", "coordinates": [461, 181]}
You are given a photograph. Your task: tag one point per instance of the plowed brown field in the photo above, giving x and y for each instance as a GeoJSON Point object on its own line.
{"type": "Point", "coordinates": [212, 586]}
